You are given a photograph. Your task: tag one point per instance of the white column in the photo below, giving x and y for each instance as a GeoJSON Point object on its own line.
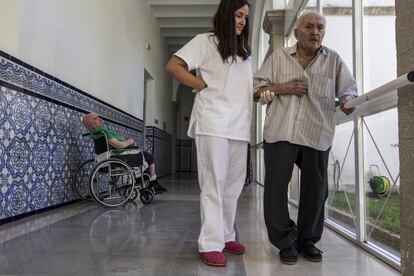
{"type": "Point", "coordinates": [274, 25]}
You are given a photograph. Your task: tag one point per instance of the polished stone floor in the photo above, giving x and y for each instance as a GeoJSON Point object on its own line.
{"type": "Point", "coordinates": [160, 239]}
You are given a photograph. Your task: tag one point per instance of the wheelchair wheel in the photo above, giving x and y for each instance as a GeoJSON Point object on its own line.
{"type": "Point", "coordinates": [80, 180]}
{"type": "Point", "coordinates": [134, 193]}
{"type": "Point", "coordinates": [112, 182]}
{"type": "Point", "coordinates": [146, 196]}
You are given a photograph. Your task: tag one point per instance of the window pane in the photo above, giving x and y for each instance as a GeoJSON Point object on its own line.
{"type": "Point", "coordinates": [294, 185]}
{"type": "Point", "coordinates": [291, 40]}
{"type": "Point", "coordinates": [341, 203]}
{"type": "Point", "coordinates": [381, 178]}
{"type": "Point", "coordinates": [338, 35]}
{"type": "Point", "coordinates": [379, 43]}
{"type": "Point", "coordinates": [311, 5]}
{"type": "Point", "coordinates": [260, 168]}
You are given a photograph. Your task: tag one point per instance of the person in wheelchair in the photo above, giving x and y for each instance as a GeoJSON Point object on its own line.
{"type": "Point", "coordinates": [94, 124]}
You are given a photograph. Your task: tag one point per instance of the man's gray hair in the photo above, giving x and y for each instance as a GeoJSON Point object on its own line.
{"type": "Point", "coordinates": [306, 12]}
{"type": "Point", "coordinates": [87, 120]}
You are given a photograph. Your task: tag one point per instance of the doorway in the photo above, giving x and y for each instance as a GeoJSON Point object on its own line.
{"type": "Point", "coordinates": [148, 87]}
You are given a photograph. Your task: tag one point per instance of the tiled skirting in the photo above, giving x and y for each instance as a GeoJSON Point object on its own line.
{"type": "Point", "coordinates": [41, 140]}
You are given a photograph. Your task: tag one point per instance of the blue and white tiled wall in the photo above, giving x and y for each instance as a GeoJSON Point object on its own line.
{"type": "Point", "coordinates": [41, 140]}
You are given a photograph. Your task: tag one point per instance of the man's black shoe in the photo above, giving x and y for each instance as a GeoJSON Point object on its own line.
{"type": "Point", "coordinates": [157, 186]}
{"type": "Point", "coordinates": [151, 187]}
{"type": "Point", "coordinates": [160, 189]}
{"type": "Point", "coordinates": [311, 253]}
{"type": "Point", "coordinates": [289, 255]}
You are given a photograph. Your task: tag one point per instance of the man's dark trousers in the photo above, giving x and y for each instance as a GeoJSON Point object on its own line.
{"type": "Point", "coordinates": [280, 158]}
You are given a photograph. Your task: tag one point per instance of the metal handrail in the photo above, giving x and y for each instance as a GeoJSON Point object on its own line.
{"type": "Point", "coordinates": [382, 90]}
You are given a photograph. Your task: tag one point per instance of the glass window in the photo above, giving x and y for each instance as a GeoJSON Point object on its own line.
{"type": "Point", "coordinates": [380, 64]}
{"type": "Point", "coordinates": [338, 34]}
{"type": "Point", "coordinates": [381, 179]}
{"type": "Point", "coordinates": [291, 40]}
{"type": "Point", "coordinates": [263, 45]}
{"type": "Point", "coordinates": [312, 5]}
{"type": "Point", "coordinates": [261, 110]}
{"type": "Point", "coordinates": [341, 202]}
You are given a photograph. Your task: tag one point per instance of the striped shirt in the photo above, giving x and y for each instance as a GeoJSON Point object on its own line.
{"type": "Point", "coordinates": [308, 120]}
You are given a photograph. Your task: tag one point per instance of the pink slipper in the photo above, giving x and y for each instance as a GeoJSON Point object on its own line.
{"type": "Point", "coordinates": [234, 247]}
{"type": "Point", "coordinates": [213, 258]}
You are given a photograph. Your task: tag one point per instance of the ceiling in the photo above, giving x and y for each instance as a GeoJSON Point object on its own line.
{"type": "Point", "coordinates": [181, 20]}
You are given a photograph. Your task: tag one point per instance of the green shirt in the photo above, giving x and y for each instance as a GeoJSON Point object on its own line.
{"type": "Point", "coordinates": [98, 133]}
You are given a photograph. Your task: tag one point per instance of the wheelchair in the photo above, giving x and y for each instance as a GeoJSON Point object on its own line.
{"type": "Point", "coordinates": [113, 176]}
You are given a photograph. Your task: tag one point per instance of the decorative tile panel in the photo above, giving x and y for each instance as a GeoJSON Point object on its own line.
{"type": "Point", "coordinates": [16, 199]}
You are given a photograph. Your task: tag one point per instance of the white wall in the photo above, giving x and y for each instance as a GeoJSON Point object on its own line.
{"type": "Point", "coordinates": [97, 46]}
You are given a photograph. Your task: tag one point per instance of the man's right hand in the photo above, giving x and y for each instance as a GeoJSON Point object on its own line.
{"type": "Point", "coordinates": [294, 87]}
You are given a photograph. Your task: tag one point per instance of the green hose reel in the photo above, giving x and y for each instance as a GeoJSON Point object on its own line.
{"type": "Point", "coordinates": [380, 185]}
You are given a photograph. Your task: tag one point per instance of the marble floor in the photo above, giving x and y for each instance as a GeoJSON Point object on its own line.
{"type": "Point", "coordinates": [160, 239]}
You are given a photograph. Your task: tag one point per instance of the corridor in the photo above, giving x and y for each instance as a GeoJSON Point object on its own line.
{"type": "Point", "coordinates": [160, 239]}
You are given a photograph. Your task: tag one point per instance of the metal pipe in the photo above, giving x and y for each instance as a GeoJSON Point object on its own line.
{"type": "Point", "coordinates": [383, 89]}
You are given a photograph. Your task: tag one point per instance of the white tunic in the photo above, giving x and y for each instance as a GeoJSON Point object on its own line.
{"type": "Point", "coordinates": [224, 108]}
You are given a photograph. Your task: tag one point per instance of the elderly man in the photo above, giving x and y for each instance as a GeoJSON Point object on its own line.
{"type": "Point", "coordinates": [299, 85]}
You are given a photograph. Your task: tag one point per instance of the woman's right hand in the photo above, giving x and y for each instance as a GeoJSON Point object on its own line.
{"type": "Point", "coordinates": [200, 85]}
{"type": "Point", "coordinates": [266, 97]}
{"type": "Point", "coordinates": [179, 71]}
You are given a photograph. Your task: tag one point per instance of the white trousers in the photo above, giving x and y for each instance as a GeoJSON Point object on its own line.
{"type": "Point", "coordinates": [221, 174]}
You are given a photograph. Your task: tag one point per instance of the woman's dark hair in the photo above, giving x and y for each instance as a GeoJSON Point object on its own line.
{"type": "Point", "coordinates": [225, 30]}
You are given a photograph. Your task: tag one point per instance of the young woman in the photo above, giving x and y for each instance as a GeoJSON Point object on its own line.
{"type": "Point", "coordinates": [220, 122]}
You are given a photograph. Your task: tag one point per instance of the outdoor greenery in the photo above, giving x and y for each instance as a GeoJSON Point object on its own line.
{"type": "Point", "coordinates": [390, 217]}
